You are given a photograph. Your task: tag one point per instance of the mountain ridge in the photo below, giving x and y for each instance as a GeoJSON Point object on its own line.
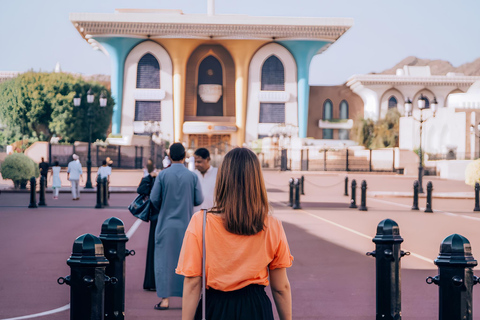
{"type": "Point", "coordinates": [437, 67]}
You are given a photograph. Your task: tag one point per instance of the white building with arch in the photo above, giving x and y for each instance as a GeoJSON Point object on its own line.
{"type": "Point", "coordinates": [447, 132]}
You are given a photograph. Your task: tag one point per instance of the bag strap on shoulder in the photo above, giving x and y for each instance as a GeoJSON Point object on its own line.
{"type": "Point", "coordinates": [204, 276]}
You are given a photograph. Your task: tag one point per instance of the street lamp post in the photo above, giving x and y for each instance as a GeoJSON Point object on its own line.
{"type": "Point", "coordinates": [77, 100]}
{"type": "Point", "coordinates": [152, 127]}
{"type": "Point", "coordinates": [421, 106]}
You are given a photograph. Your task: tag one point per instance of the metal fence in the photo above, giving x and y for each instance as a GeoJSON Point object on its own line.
{"type": "Point", "coordinates": [127, 157]}
{"type": "Point", "coordinates": [453, 156]}
{"type": "Point", "coordinates": [319, 159]}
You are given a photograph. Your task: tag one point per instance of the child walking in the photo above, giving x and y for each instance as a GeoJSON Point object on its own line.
{"type": "Point", "coordinates": [56, 183]}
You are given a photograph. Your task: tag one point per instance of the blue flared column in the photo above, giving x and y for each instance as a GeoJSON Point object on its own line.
{"type": "Point", "coordinates": [118, 49]}
{"type": "Point", "coordinates": [303, 51]}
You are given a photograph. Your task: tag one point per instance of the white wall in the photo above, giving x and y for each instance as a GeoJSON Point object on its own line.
{"type": "Point", "coordinates": [253, 127]}
{"type": "Point", "coordinates": [441, 133]}
{"type": "Point", "coordinates": [164, 94]}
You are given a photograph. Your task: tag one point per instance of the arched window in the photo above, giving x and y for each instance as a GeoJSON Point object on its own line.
{"type": "Point", "coordinates": [327, 115]}
{"type": "Point", "coordinates": [392, 102]}
{"type": "Point", "coordinates": [344, 109]}
{"type": "Point", "coordinates": [148, 73]}
{"type": "Point", "coordinates": [210, 72]}
{"type": "Point", "coordinates": [273, 75]}
{"type": "Point", "coordinates": [343, 133]}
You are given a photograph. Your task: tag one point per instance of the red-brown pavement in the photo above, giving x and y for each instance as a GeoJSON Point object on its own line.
{"type": "Point", "coordinates": [331, 277]}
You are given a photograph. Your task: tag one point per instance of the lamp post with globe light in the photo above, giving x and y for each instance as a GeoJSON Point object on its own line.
{"type": "Point", "coordinates": [421, 104]}
{"type": "Point", "coordinates": [77, 102]}
{"type": "Point", "coordinates": [153, 128]}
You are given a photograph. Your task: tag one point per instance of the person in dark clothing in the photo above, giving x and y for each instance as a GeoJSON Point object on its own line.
{"type": "Point", "coordinates": [43, 166]}
{"type": "Point", "coordinates": [144, 189]}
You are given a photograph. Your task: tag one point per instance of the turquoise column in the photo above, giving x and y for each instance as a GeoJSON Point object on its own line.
{"type": "Point", "coordinates": [303, 51]}
{"type": "Point", "coordinates": [118, 49]}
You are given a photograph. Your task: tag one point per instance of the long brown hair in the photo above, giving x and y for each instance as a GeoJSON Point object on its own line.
{"type": "Point", "coordinates": [240, 193]}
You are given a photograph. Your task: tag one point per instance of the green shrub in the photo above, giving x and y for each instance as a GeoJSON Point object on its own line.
{"type": "Point", "coordinates": [19, 168]}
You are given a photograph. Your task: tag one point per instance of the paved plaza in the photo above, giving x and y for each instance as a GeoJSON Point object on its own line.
{"type": "Point", "coordinates": [331, 277]}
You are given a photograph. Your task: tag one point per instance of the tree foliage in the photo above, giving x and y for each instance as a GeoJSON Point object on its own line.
{"type": "Point", "coordinates": [380, 134]}
{"type": "Point", "coordinates": [38, 105]}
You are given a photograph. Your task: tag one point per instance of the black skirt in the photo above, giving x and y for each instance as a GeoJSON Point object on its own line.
{"type": "Point", "coordinates": [249, 303]}
{"type": "Point", "coordinates": [149, 279]}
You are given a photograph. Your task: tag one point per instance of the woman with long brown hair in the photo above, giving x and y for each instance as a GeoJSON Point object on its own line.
{"type": "Point", "coordinates": [246, 249]}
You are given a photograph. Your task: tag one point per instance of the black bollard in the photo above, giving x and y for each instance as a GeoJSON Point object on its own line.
{"type": "Point", "coordinates": [283, 160]}
{"type": "Point", "coordinates": [428, 207]}
{"type": "Point", "coordinates": [346, 186]}
{"type": "Point", "coordinates": [363, 202]}
{"type": "Point", "coordinates": [387, 262]}
{"type": "Point", "coordinates": [114, 239]}
{"type": "Point", "coordinates": [43, 183]}
{"type": "Point", "coordinates": [302, 185]}
{"type": "Point", "coordinates": [33, 193]}
{"type": "Point", "coordinates": [99, 204]}
{"type": "Point", "coordinates": [290, 197]}
{"type": "Point", "coordinates": [105, 192]}
{"type": "Point", "coordinates": [296, 204]}
{"type": "Point", "coordinates": [353, 200]}
{"type": "Point", "coordinates": [455, 279]}
{"type": "Point", "coordinates": [87, 279]}
{"type": "Point", "coordinates": [415, 195]}
{"type": "Point", "coordinates": [477, 190]}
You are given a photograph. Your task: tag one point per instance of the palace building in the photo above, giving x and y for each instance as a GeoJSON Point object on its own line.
{"type": "Point", "coordinates": [208, 78]}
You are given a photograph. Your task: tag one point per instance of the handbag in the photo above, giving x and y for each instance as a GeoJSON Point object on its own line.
{"type": "Point", "coordinates": [204, 298]}
{"type": "Point", "coordinates": [141, 207]}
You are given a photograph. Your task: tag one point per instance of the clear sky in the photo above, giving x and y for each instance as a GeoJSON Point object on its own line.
{"type": "Point", "coordinates": [36, 34]}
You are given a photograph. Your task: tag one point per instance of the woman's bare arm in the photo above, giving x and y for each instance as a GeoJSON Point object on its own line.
{"type": "Point", "coordinates": [282, 294]}
{"type": "Point", "coordinates": [191, 295]}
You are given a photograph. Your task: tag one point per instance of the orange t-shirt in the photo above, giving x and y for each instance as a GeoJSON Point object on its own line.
{"type": "Point", "coordinates": [233, 261]}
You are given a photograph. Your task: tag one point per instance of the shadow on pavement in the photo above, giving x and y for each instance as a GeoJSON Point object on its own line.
{"type": "Point", "coordinates": [331, 282]}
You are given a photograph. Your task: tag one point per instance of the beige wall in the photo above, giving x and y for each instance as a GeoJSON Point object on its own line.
{"type": "Point", "coordinates": [318, 95]}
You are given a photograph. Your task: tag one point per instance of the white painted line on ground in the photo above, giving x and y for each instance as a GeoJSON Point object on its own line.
{"type": "Point", "coordinates": [451, 214]}
{"type": "Point", "coordinates": [129, 234]}
{"type": "Point", "coordinates": [134, 228]}
{"type": "Point", "coordinates": [41, 314]}
{"type": "Point", "coordinates": [416, 255]}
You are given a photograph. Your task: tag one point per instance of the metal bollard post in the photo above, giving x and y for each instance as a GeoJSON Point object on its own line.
{"type": "Point", "coordinates": [33, 193]}
{"type": "Point", "coordinates": [428, 207]}
{"type": "Point", "coordinates": [387, 262]}
{"type": "Point", "coordinates": [363, 201]}
{"type": "Point", "coordinates": [114, 239]}
{"type": "Point", "coordinates": [302, 185]}
{"type": "Point", "coordinates": [353, 201]}
{"type": "Point", "coordinates": [87, 280]}
{"type": "Point", "coordinates": [455, 279]}
{"type": "Point", "coordinates": [283, 160]}
{"type": "Point", "coordinates": [296, 204]}
{"type": "Point", "coordinates": [290, 198]}
{"type": "Point", "coordinates": [43, 183]}
{"type": "Point", "coordinates": [105, 192]}
{"type": "Point", "coordinates": [415, 195]}
{"type": "Point", "coordinates": [477, 191]}
{"type": "Point", "coordinates": [99, 204]}
{"type": "Point", "coordinates": [346, 186]}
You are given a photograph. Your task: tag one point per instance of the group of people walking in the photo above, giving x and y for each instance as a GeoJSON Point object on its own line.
{"type": "Point", "coordinates": [246, 248]}
{"type": "Point", "coordinates": [74, 174]}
